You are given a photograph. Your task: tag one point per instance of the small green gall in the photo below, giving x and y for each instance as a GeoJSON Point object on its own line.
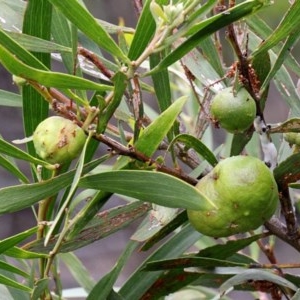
{"type": "Point", "coordinates": [233, 111]}
{"type": "Point", "coordinates": [58, 140]}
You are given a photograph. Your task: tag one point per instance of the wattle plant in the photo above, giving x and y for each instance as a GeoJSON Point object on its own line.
{"type": "Point", "coordinates": [58, 140]}
{"type": "Point", "coordinates": [245, 195]}
{"type": "Point", "coordinates": [233, 110]}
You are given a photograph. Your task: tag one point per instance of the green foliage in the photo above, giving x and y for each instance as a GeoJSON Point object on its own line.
{"type": "Point", "coordinates": [155, 157]}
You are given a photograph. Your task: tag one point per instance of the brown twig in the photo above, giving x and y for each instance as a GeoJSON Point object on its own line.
{"type": "Point", "coordinates": [137, 106]}
{"type": "Point", "coordinates": [120, 149]}
{"type": "Point", "coordinates": [94, 59]}
{"type": "Point", "coordinates": [246, 74]}
{"type": "Point", "coordinates": [289, 214]}
{"type": "Point", "coordinates": [268, 251]}
{"type": "Point", "coordinates": [276, 227]}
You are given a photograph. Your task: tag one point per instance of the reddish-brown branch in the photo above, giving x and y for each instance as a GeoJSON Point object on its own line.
{"type": "Point", "coordinates": [94, 59]}
{"type": "Point", "coordinates": [120, 149]}
{"type": "Point", "coordinates": [276, 227]}
{"type": "Point", "coordinates": [289, 214]}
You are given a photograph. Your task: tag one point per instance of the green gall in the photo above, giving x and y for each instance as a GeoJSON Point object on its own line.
{"type": "Point", "coordinates": [244, 192]}
{"type": "Point", "coordinates": [233, 111]}
{"type": "Point", "coordinates": [58, 140]}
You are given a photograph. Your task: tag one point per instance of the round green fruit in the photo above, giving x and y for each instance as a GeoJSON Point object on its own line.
{"type": "Point", "coordinates": [244, 193]}
{"type": "Point", "coordinates": [234, 112]}
{"type": "Point", "coordinates": [58, 140]}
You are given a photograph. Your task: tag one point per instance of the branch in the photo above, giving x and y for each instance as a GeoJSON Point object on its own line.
{"type": "Point", "coordinates": [120, 149]}
{"type": "Point", "coordinates": [276, 227]}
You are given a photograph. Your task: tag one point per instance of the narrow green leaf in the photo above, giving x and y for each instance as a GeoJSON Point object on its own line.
{"type": "Point", "coordinates": [39, 288]}
{"type": "Point", "coordinates": [152, 187]}
{"type": "Point", "coordinates": [291, 39]}
{"type": "Point", "coordinates": [198, 64]}
{"type": "Point", "coordinates": [22, 196]}
{"type": "Point", "coordinates": [87, 213]}
{"type": "Point", "coordinates": [61, 33]}
{"type": "Point", "coordinates": [101, 226]}
{"type": "Point", "coordinates": [262, 66]}
{"type": "Point", "coordinates": [9, 282]}
{"type": "Point", "coordinates": [290, 125]}
{"type": "Point", "coordinates": [287, 171]}
{"type": "Point", "coordinates": [192, 142]}
{"type": "Point", "coordinates": [158, 129]}
{"type": "Point", "coordinates": [211, 54]}
{"type": "Point", "coordinates": [105, 285]}
{"type": "Point", "coordinates": [173, 281]}
{"type": "Point", "coordinates": [35, 44]}
{"type": "Point", "coordinates": [152, 136]}
{"type": "Point", "coordinates": [13, 47]}
{"type": "Point", "coordinates": [200, 13]}
{"type": "Point", "coordinates": [23, 254]}
{"type": "Point", "coordinates": [228, 249]}
{"type": "Point", "coordinates": [294, 186]}
{"type": "Point", "coordinates": [144, 30]}
{"type": "Point", "coordinates": [207, 27]}
{"type": "Point", "coordinates": [263, 30]}
{"type": "Point", "coordinates": [188, 262]}
{"type": "Point", "coordinates": [8, 291]}
{"type": "Point", "coordinates": [239, 141]}
{"type": "Point", "coordinates": [10, 150]}
{"type": "Point", "coordinates": [35, 108]}
{"type": "Point", "coordinates": [120, 84]}
{"type": "Point", "coordinates": [256, 275]}
{"type": "Point", "coordinates": [287, 26]}
{"type": "Point", "coordinates": [163, 232]}
{"type": "Point", "coordinates": [78, 271]}
{"type": "Point", "coordinates": [113, 28]}
{"type": "Point", "coordinates": [140, 281]}
{"type": "Point", "coordinates": [71, 192]}
{"type": "Point", "coordinates": [46, 78]}
{"type": "Point", "coordinates": [16, 239]}
{"type": "Point", "coordinates": [80, 17]}
{"type": "Point", "coordinates": [12, 13]}
{"type": "Point", "coordinates": [13, 169]}
{"type": "Point", "coordinates": [161, 82]}
{"type": "Point", "coordinates": [10, 268]}
{"type": "Point", "coordinates": [285, 85]}
{"type": "Point", "coordinates": [10, 99]}
{"type": "Point", "coordinates": [283, 80]}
